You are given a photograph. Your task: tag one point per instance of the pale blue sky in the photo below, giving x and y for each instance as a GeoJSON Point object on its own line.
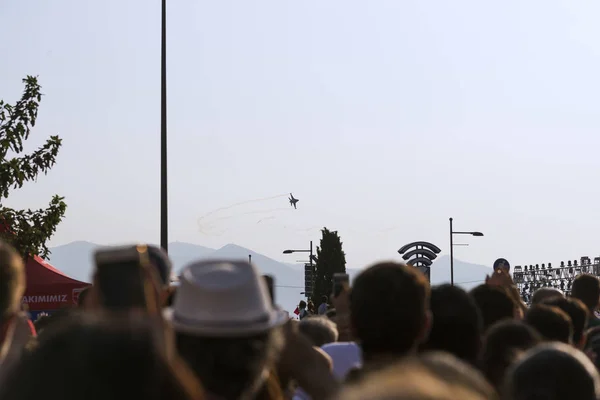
{"type": "Point", "coordinates": [376, 114]}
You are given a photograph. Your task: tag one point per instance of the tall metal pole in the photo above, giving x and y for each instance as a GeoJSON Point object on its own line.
{"type": "Point", "coordinates": [312, 268]}
{"type": "Point", "coordinates": [451, 254]}
{"type": "Point", "coordinates": [164, 209]}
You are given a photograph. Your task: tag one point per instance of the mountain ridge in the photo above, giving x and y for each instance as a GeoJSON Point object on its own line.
{"type": "Point", "coordinates": [75, 259]}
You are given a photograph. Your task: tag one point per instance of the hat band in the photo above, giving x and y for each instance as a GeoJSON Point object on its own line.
{"type": "Point", "coordinates": [227, 324]}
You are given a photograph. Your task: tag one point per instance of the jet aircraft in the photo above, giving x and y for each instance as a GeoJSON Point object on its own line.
{"type": "Point", "coordinates": [293, 201]}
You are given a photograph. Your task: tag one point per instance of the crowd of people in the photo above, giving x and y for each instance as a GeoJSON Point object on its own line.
{"type": "Point", "coordinates": [218, 335]}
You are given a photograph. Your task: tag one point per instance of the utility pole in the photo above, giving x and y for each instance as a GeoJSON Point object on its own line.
{"type": "Point", "coordinates": [164, 209]}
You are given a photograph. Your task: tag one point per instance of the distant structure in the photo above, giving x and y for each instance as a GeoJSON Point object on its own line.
{"type": "Point", "coordinates": [421, 256]}
{"type": "Point", "coordinates": [529, 278]}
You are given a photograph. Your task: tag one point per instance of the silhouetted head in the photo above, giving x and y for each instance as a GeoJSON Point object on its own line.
{"type": "Point", "coordinates": [578, 313]}
{"type": "Point", "coordinates": [553, 372]}
{"type": "Point", "coordinates": [432, 377]}
{"type": "Point", "coordinates": [457, 325]}
{"type": "Point", "coordinates": [172, 292]}
{"type": "Point", "coordinates": [230, 367]}
{"type": "Point", "coordinates": [586, 288]}
{"type": "Point", "coordinates": [302, 305]}
{"type": "Point", "coordinates": [592, 343]}
{"type": "Point", "coordinates": [502, 345]}
{"type": "Point", "coordinates": [160, 260]}
{"type": "Point", "coordinates": [452, 369]}
{"type": "Point", "coordinates": [83, 295]}
{"type": "Point", "coordinates": [389, 309]}
{"type": "Point", "coordinates": [319, 330]}
{"type": "Point", "coordinates": [551, 322]}
{"type": "Point", "coordinates": [12, 281]}
{"type": "Point", "coordinates": [494, 303]}
{"type": "Point", "coordinates": [545, 293]}
{"type": "Point", "coordinates": [104, 358]}
{"type": "Point", "coordinates": [52, 321]}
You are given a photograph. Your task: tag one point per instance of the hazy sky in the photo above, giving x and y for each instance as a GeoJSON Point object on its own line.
{"type": "Point", "coordinates": [384, 117]}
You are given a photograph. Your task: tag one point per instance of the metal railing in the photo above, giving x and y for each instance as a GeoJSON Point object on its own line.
{"type": "Point", "coordinates": [529, 278]}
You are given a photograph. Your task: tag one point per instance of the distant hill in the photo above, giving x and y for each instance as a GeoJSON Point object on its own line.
{"type": "Point", "coordinates": [182, 254]}
{"type": "Point", "coordinates": [466, 275]}
{"type": "Point", "coordinates": [75, 260]}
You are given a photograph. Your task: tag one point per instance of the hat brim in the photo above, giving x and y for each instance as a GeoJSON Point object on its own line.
{"type": "Point", "coordinates": [276, 319]}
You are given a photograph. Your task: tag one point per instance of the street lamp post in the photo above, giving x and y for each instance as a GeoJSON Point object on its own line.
{"type": "Point", "coordinates": [452, 233]}
{"type": "Point", "coordinates": [310, 250]}
{"type": "Point", "coordinates": [164, 210]}
{"type": "Point", "coordinates": [311, 257]}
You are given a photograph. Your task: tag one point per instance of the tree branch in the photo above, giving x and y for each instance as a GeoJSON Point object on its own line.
{"type": "Point", "coordinates": [16, 121]}
{"type": "Point", "coordinates": [18, 170]}
{"type": "Point", "coordinates": [29, 230]}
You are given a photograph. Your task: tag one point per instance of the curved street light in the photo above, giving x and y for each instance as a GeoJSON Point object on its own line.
{"type": "Point", "coordinates": [452, 233]}
{"type": "Point", "coordinates": [311, 258]}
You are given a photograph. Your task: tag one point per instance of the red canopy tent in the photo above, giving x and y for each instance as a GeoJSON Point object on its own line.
{"type": "Point", "coordinates": [49, 289]}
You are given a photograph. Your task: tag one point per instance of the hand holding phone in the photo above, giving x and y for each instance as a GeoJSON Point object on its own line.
{"type": "Point", "coordinates": [340, 282]}
{"type": "Point", "coordinates": [270, 281]}
{"type": "Point", "coordinates": [124, 279]}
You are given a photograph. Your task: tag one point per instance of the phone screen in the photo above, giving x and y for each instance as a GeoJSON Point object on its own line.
{"type": "Point", "coordinates": [120, 279]}
{"type": "Point", "coordinates": [270, 281]}
{"type": "Point", "coordinates": [339, 281]}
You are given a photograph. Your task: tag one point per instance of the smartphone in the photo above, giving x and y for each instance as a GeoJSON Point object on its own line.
{"type": "Point", "coordinates": [270, 281]}
{"type": "Point", "coordinates": [339, 282]}
{"type": "Point", "coordinates": [120, 277]}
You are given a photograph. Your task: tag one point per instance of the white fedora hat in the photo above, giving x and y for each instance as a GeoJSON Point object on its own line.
{"type": "Point", "coordinates": [223, 298]}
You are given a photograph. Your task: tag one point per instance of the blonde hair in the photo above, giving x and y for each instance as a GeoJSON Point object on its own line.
{"type": "Point", "coordinates": [414, 379]}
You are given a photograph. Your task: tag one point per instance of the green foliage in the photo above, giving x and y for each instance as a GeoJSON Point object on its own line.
{"type": "Point", "coordinates": [27, 230]}
{"type": "Point", "coordinates": [331, 260]}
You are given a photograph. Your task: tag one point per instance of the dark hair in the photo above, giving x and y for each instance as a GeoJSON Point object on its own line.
{"type": "Point", "coordinates": [53, 320]}
{"type": "Point", "coordinates": [319, 330]}
{"type": "Point", "coordinates": [576, 310]}
{"type": "Point", "coordinates": [457, 325]}
{"type": "Point", "coordinates": [82, 296]}
{"type": "Point", "coordinates": [324, 299]}
{"type": "Point", "coordinates": [551, 322]}
{"type": "Point", "coordinates": [494, 303]}
{"type": "Point", "coordinates": [105, 358]}
{"type": "Point", "coordinates": [12, 281]}
{"type": "Point", "coordinates": [171, 296]}
{"type": "Point", "coordinates": [553, 371]}
{"type": "Point", "coordinates": [388, 308]}
{"type": "Point", "coordinates": [501, 346]}
{"type": "Point", "coordinates": [302, 304]}
{"type": "Point", "coordinates": [586, 288]}
{"type": "Point", "coordinates": [544, 293]}
{"type": "Point", "coordinates": [163, 264]}
{"type": "Point", "coordinates": [593, 343]}
{"type": "Point", "coordinates": [42, 323]}
{"type": "Point", "coordinates": [229, 367]}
